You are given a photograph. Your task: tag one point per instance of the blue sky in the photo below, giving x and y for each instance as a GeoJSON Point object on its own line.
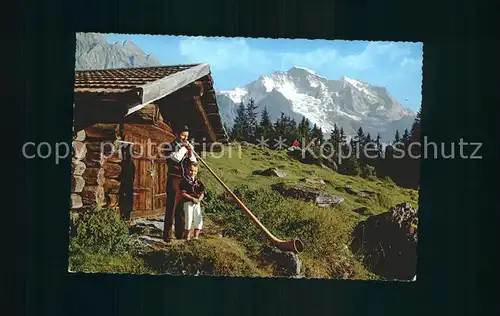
{"type": "Point", "coordinates": [237, 61]}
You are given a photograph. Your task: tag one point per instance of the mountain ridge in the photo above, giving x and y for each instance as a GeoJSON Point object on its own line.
{"type": "Point", "coordinates": [347, 102]}
{"type": "Point", "coordinates": [94, 52]}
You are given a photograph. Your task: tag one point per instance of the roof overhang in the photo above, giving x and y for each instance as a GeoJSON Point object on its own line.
{"type": "Point", "coordinates": [108, 105]}
{"type": "Point", "coordinates": [158, 89]}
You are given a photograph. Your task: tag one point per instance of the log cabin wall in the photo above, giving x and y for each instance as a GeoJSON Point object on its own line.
{"type": "Point", "coordinates": [78, 168]}
{"type": "Point", "coordinates": [97, 176]}
{"type": "Point", "coordinates": [93, 175]}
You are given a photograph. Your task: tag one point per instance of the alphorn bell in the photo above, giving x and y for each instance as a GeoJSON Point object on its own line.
{"type": "Point", "coordinates": [294, 245]}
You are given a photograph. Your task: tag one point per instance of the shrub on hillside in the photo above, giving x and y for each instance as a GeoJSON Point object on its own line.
{"type": "Point", "coordinates": [350, 166]}
{"type": "Point", "coordinates": [368, 172]}
{"type": "Point", "coordinates": [101, 230]}
{"type": "Point", "coordinates": [100, 242]}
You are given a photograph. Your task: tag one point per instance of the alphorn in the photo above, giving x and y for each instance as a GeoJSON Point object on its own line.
{"type": "Point", "coordinates": [294, 245]}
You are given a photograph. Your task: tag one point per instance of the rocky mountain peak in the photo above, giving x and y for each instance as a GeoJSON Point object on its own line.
{"type": "Point", "coordinates": [299, 91]}
{"type": "Point", "coordinates": [94, 52]}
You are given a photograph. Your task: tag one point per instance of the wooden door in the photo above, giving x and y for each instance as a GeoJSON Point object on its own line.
{"type": "Point", "coordinates": [142, 181]}
{"type": "Point", "coordinates": [159, 182]}
{"type": "Point", "coordinates": [150, 180]}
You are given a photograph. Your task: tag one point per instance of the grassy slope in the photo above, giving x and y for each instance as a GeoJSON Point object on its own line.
{"type": "Point", "coordinates": [231, 245]}
{"type": "Point", "coordinates": [325, 232]}
{"type": "Point", "coordinates": [235, 168]}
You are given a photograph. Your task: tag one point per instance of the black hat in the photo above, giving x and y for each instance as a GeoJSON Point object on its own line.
{"type": "Point", "coordinates": [182, 128]}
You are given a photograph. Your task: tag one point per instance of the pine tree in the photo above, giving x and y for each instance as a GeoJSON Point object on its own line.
{"type": "Point", "coordinates": [239, 127]}
{"type": "Point", "coordinates": [285, 123]}
{"type": "Point", "coordinates": [378, 142]}
{"type": "Point", "coordinates": [251, 116]}
{"type": "Point", "coordinates": [304, 130]}
{"type": "Point", "coordinates": [342, 136]}
{"type": "Point", "coordinates": [415, 128]}
{"type": "Point", "coordinates": [368, 138]}
{"type": "Point", "coordinates": [353, 143]}
{"type": "Point", "coordinates": [357, 145]}
{"type": "Point", "coordinates": [279, 125]}
{"type": "Point", "coordinates": [400, 163]}
{"type": "Point", "coordinates": [335, 138]}
{"type": "Point", "coordinates": [293, 132]}
{"type": "Point", "coordinates": [397, 138]}
{"type": "Point", "coordinates": [413, 164]}
{"type": "Point", "coordinates": [406, 137]}
{"type": "Point", "coordinates": [419, 116]}
{"type": "Point", "coordinates": [342, 141]}
{"type": "Point", "coordinates": [415, 151]}
{"type": "Point", "coordinates": [368, 141]}
{"type": "Point", "coordinates": [378, 162]}
{"type": "Point", "coordinates": [334, 133]}
{"type": "Point", "coordinates": [265, 127]}
{"type": "Point", "coordinates": [317, 133]}
{"type": "Point", "coordinates": [360, 137]}
{"type": "Point", "coordinates": [371, 149]}
{"type": "Point", "coordinates": [313, 132]}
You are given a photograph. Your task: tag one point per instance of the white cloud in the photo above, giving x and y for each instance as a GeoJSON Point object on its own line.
{"type": "Point", "coordinates": [407, 61]}
{"type": "Point", "coordinates": [236, 53]}
{"type": "Point", "coordinates": [414, 62]}
{"type": "Point", "coordinates": [315, 58]}
{"type": "Point", "coordinates": [222, 55]}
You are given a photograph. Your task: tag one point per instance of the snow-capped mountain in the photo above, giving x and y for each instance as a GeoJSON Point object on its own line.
{"type": "Point", "coordinates": [301, 92]}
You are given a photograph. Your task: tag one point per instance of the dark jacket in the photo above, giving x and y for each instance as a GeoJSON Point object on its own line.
{"type": "Point", "coordinates": [177, 158]}
{"type": "Point", "coordinates": [193, 188]}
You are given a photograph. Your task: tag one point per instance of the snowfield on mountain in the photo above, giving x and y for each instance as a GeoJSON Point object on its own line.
{"type": "Point", "coordinates": [301, 92]}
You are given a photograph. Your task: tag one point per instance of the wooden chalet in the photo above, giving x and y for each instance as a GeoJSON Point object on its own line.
{"type": "Point", "coordinates": [136, 107]}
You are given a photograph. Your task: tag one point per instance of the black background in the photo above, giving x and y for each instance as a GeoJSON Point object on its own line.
{"type": "Point", "coordinates": [453, 193]}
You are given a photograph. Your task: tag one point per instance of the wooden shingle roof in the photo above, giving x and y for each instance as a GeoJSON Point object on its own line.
{"type": "Point", "coordinates": [122, 79]}
{"type": "Point", "coordinates": [134, 88]}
